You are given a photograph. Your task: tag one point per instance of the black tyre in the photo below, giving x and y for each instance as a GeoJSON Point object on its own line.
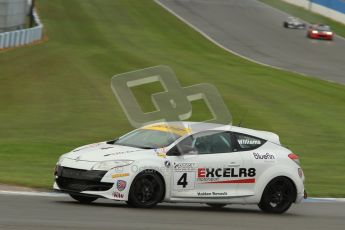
{"type": "Point", "coordinates": [83, 199]}
{"type": "Point", "coordinates": [278, 196]}
{"type": "Point", "coordinates": [217, 206]}
{"type": "Point", "coordinates": [285, 25]}
{"type": "Point", "coordinates": [146, 191]}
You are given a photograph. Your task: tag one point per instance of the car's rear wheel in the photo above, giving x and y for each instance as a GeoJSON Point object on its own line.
{"type": "Point", "coordinates": [146, 191]}
{"type": "Point", "coordinates": [278, 195]}
{"type": "Point", "coordinates": [217, 206]}
{"type": "Point", "coordinates": [83, 199]}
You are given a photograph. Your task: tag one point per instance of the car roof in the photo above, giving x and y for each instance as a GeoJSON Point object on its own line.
{"type": "Point", "coordinates": [323, 26]}
{"type": "Point", "coordinates": [187, 127]}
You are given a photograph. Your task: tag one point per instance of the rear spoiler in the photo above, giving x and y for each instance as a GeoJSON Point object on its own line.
{"type": "Point", "coordinates": [272, 137]}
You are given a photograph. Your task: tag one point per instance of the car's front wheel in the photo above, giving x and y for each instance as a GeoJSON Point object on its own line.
{"type": "Point", "coordinates": [278, 195]}
{"type": "Point", "coordinates": [146, 191]}
{"type": "Point", "coordinates": [83, 199]}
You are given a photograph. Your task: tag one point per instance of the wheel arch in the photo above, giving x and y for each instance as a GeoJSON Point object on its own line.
{"type": "Point", "coordinates": [153, 171]}
{"type": "Point", "coordinates": [282, 176]}
{"type": "Point", "coordinates": [269, 175]}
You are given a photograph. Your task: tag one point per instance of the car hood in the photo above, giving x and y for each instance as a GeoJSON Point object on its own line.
{"type": "Point", "coordinates": [103, 152]}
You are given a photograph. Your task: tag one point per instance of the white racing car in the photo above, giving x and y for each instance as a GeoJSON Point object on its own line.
{"type": "Point", "coordinates": [294, 23]}
{"type": "Point", "coordinates": [185, 162]}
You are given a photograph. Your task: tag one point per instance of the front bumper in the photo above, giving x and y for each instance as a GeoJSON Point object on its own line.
{"type": "Point", "coordinates": [85, 182]}
{"type": "Point", "coordinates": [79, 180]}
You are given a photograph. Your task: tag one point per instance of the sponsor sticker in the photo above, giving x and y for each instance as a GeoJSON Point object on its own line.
{"type": "Point", "coordinates": [119, 175]}
{"type": "Point", "coordinates": [167, 164]}
{"type": "Point", "coordinates": [121, 185]}
{"type": "Point", "coordinates": [123, 152]}
{"type": "Point", "coordinates": [161, 152]}
{"type": "Point", "coordinates": [215, 175]}
{"type": "Point", "coordinates": [185, 167]}
{"type": "Point", "coordinates": [212, 193]}
{"type": "Point", "coordinates": [249, 142]}
{"type": "Point", "coordinates": [163, 155]}
{"type": "Point", "coordinates": [266, 156]}
{"type": "Point", "coordinates": [118, 195]}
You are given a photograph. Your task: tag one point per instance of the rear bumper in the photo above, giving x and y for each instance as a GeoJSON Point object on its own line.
{"type": "Point", "coordinates": [301, 196]}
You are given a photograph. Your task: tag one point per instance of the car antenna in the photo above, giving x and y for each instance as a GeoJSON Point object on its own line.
{"type": "Point", "coordinates": [242, 118]}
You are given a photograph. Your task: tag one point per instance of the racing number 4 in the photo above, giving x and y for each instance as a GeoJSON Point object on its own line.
{"type": "Point", "coordinates": [183, 180]}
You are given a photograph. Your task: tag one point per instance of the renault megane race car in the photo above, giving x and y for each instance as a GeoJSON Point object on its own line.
{"type": "Point", "coordinates": [319, 31]}
{"type": "Point", "coordinates": [294, 23]}
{"type": "Point", "coordinates": [185, 162]}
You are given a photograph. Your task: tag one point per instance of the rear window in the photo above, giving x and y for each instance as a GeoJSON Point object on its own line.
{"type": "Point", "coordinates": [245, 142]}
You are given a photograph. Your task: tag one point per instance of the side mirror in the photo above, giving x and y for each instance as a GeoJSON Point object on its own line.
{"type": "Point", "coordinates": [174, 152]}
{"type": "Point", "coordinates": [181, 150]}
{"type": "Point", "coordinates": [187, 150]}
{"type": "Point", "coordinates": [112, 141]}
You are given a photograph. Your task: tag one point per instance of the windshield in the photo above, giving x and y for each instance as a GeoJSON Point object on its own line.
{"type": "Point", "coordinates": [147, 139]}
{"type": "Point", "coordinates": [323, 28]}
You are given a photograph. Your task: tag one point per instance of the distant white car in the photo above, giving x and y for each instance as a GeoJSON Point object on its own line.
{"type": "Point", "coordinates": [294, 23]}
{"type": "Point", "coordinates": [185, 162]}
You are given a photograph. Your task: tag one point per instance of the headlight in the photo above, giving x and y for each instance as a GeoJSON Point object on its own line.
{"type": "Point", "coordinates": [107, 165]}
{"type": "Point", "coordinates": [329, 33]}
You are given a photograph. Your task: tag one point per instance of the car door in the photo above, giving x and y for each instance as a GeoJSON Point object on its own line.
{"type": "Point", "coordinates": [255, 159]}
{"type": "Point", "coordinates": [204, 166]}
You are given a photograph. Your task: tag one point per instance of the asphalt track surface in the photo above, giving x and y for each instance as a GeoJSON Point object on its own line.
{"type": "Point", "coordinates": [254, 30]}
{"type": "Point", "coordinates": [35, 212]}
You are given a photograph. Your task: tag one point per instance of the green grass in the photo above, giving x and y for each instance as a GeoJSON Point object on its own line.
{"type": "Point", "coordinates": [56, 95]}
{"type": "Point", "coordinates": [307, 15]}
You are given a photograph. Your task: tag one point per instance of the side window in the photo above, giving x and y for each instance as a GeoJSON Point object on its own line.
{"type": "Point", "coordinates": [209, 142]}
{"type": "Point", "coordinates": [245, 142]}
{"type": "Point", "coordinates": [213, 142]}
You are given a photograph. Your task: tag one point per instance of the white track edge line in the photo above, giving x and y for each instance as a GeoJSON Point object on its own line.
{"type": "Point", "coordinates": [33, 193]}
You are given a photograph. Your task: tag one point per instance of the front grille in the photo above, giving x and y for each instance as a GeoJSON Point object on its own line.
{"type": "Point", "coordinates": [91, 175]}
{"type": "Point", "coordinates": [82, 185]}
{"type": "Point", "coordinates": [79, 180]}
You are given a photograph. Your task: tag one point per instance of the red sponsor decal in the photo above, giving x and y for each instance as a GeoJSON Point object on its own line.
{"type": "Point", "coordinates": [240, 181]}
{"type": "Point", "coordinates": [121, 185]}
{"type": "Point", "coordinates": [201, 172]}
